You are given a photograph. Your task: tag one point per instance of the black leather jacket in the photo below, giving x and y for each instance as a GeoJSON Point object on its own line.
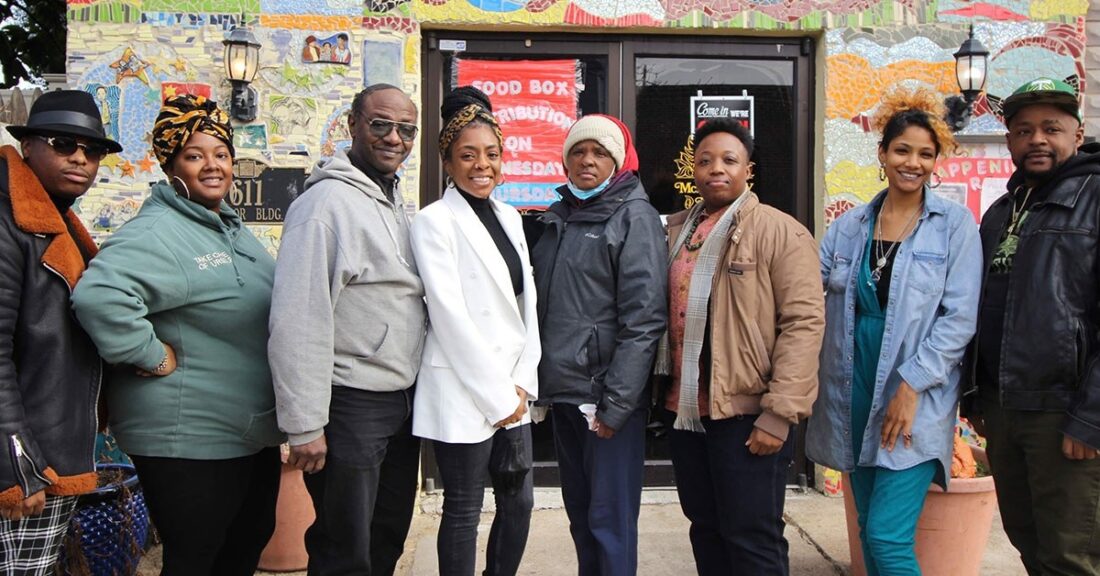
{"type": "Point", "coordinates": [1052, 309]}
{"type": "Point", "coordinates": [49, 368]}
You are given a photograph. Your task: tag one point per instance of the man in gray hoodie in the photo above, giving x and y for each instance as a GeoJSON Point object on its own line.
{"type": "Point", "coordinates": [347, 328]}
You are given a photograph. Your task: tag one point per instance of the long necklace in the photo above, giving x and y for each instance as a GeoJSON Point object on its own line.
{"type": "Point", "coordinates": [1017, 212]}
{"type": "Point", "coordinates": [688, 245]}
{"type": "Point", "coordinates": [884, 256]}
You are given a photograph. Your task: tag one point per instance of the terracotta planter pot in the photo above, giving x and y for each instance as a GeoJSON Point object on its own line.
{"type": "Point", "coordinates": [952, 530]}
{"type": "Point", "coordinates": [286, 552]}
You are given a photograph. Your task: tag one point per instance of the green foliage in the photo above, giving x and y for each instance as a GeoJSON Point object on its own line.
{"type": "Point", "coordinates": [32, 39]}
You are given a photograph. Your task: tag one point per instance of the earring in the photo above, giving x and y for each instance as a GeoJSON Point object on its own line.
{"type": "Point", "coordinates": [882, 172]}
{"type": "Point", "coordinates": [448, 182]}
{"type": "Point", "coordinates": [935, 178]}
{"type": "Point", "coordinates": [186, 191]}
{"type": "Point", "coordinates": [502, 180]}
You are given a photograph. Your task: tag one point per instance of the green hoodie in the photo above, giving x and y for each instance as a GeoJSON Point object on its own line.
{"type": "Point", "coordinates": [200, 282]}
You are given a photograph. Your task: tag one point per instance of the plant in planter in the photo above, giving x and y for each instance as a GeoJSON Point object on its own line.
{"type": "Point", "coordinates": [954, 525]}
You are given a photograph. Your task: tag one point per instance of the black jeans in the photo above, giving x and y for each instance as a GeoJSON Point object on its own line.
{"type": "Point", "coordinates": [364, 495]}
{"type": "Point", "coordinates": [214, 516]}
{"type": "Point", "coordinates": [601, 485]}
{"type": "Point", "coordinates": [733, 499]}
{"type": "Point", "coordinates": [507, 457]}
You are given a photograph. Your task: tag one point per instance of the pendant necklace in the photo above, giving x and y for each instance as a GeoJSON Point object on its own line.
{"type": "Point", "coordinates": [884, 256]}
{"type": "Point", "coordinates": [1017, 212]}
{"type": "Point", "coordinates": [688, 245]}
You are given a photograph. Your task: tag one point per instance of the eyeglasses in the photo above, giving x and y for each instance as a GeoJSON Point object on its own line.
{"type": "Point", "coordinates": [380, 128]}
{"type": "Point", "coordinates": [67, 145]}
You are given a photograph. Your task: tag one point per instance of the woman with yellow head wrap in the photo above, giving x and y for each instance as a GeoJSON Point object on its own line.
{"type": "Point", "coordinates": [177, 302]}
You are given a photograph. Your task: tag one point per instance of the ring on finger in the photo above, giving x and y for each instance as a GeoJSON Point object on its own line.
{"type": "Point", "coordinates": [907, 436]}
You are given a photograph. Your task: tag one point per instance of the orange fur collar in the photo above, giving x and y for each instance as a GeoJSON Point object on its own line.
{"type": "Point", "coordinates": [35, 213]}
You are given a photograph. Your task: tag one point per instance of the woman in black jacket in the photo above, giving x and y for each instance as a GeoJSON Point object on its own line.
{"type": "Point", "coordinates": [599, 273]}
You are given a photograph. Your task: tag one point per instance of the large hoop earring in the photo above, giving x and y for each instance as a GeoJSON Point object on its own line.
{"type": "Point", "coordinates": [448, 182]}
{"type": "Point", "coordinates": [882, 172]}
{"type": "Point", "coordinates": [934, 180]}
{"type": "Point", "coordinates": [186, 191]}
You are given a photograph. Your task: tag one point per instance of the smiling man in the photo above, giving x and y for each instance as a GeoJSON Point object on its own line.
{"type": "Point", "coordinates": [49, 369]}
{"type": "Point", "coordinates": [1034, 359]}
{"type": "Point", "coordinates": [347, 328]}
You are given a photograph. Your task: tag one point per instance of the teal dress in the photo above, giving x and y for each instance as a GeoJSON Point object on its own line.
{"type": "Point", "coordinates": [888, 502]}
{"type": "Point", "coordinates": [870, 325]}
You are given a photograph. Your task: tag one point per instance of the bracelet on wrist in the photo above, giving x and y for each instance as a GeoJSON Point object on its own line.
{"type": "Point", "coordinates": [163, 366]}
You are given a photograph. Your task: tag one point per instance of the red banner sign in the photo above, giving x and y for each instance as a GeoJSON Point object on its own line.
{"type": "Point", "coordinates": [974, 182]}
{"type": "Point", "coordinates": [535, 102]}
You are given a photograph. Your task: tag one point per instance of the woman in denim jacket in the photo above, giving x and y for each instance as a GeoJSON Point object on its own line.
{"type": "Point", "coordinates": [902, 277]}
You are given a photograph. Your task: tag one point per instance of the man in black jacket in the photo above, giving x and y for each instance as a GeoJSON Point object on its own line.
{"type": "Point", "coordinates": [1034, 357]}
{"type": "Point", "coordinates": [49, 368]}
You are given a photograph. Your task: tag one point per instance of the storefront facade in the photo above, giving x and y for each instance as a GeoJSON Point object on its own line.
{"type": "Point", "coordinates": [804, 75]}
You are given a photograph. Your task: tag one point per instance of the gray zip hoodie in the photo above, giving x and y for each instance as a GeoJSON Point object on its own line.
{"type": "Point", "coordinates": [348, 307]}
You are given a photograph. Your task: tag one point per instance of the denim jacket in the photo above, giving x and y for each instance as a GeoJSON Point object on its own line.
{"type": "Point", "coordinates": [931, 316]}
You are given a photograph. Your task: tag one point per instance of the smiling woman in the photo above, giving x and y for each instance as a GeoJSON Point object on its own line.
{"type": "Point", "coordinates": [203, 170]}
{"type": "Point", "coordinates": [901, 276]}
{"type": "Point", "coordinates": [478, 371]}
{"type": "Point", "coordinates": [178, 301]}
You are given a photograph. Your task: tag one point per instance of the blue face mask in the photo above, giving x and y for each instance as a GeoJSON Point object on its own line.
{"type": "Point", "coordinates": [586, 194]}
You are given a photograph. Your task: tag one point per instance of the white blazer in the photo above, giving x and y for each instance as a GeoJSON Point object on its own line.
{"type": "Point", "coordinates": [480, 345]}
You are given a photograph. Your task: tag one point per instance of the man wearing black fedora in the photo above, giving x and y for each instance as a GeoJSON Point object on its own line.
{"type": "Point", "coordinates": [49, 368]}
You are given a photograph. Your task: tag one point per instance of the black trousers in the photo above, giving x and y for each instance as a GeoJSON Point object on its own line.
{"type": "Point", "coordinates": [214, 516]}
{"type": "Point", "coordinates": [507, 456]}
{"type": "Point", "coordinates": [365, 493]}
{"type": "Point", "coordinates": [733, 499]}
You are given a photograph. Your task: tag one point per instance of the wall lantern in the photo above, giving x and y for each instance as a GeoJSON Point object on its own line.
{"type": "Point", "coordinates": [242, 60]}
{"type": "Point", "coordinates": [971, 65]}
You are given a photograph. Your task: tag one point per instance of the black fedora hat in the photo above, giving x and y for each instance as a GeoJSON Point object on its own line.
{"type": "Point", "coordinates": [68, 112]}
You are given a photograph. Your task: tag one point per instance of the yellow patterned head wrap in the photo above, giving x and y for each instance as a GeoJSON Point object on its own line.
{"type": "Point", "coordinates": [463, 118]}
{"type": "Point", "coordinates": [183, 115]}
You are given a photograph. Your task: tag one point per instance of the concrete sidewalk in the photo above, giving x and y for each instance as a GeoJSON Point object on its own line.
{"type": "Point", "coordinates": [815, 528]}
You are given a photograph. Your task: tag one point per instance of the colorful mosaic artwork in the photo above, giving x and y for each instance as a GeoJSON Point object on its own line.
{"type": "Point", "coordinates": [860, 64]}
{"type": "Point", "coordinates": [131, 53]}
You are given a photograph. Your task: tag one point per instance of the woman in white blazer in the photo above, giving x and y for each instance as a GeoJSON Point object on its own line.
{"type": "Point", "coordinates": [479, 368]}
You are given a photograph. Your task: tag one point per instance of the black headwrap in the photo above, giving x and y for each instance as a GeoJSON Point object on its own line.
{"type": "Point", "coordinates": [462, 106]}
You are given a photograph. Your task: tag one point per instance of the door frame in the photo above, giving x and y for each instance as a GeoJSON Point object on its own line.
{"type": "Point", "coordinates": [621, 50]}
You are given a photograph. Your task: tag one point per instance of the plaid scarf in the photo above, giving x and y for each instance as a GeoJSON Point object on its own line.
{"type": "Point", "coordinates": [687, 413]}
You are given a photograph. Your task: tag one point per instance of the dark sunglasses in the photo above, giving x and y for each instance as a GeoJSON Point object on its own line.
{"type": "Point", "coordinates": [380, 128]}
{"type": "Point", "coordinates": [67, 145]}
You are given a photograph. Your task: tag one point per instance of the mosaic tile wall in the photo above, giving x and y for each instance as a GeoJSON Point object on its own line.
{"type": "Point", "coordinates": [129, 53]}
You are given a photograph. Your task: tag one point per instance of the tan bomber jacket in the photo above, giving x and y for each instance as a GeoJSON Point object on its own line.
{"type": "Point", "coordinates": [767, 316]}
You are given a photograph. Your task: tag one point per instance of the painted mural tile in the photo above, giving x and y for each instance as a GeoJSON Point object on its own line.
{"type": "Point", "coordinates": [176, 20]}
{"type": "Point", "coordinates": [199, 6]}
{"type": "Point", "coordinates": [382, 62]}
{"type": "Point", "coordinates": [308, 22]}
{"type": "Point", "coordinates": [383, 6]}
{"type": "Point", "coordinates": [117, 11]}
{"type": "Point", "coordinates": [394, 23]}
{"type": "Point", "coordinates": [323, 7]}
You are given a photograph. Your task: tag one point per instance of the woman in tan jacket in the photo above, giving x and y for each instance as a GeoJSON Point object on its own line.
{"type": "Point", "coordinates": [746, 317]}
